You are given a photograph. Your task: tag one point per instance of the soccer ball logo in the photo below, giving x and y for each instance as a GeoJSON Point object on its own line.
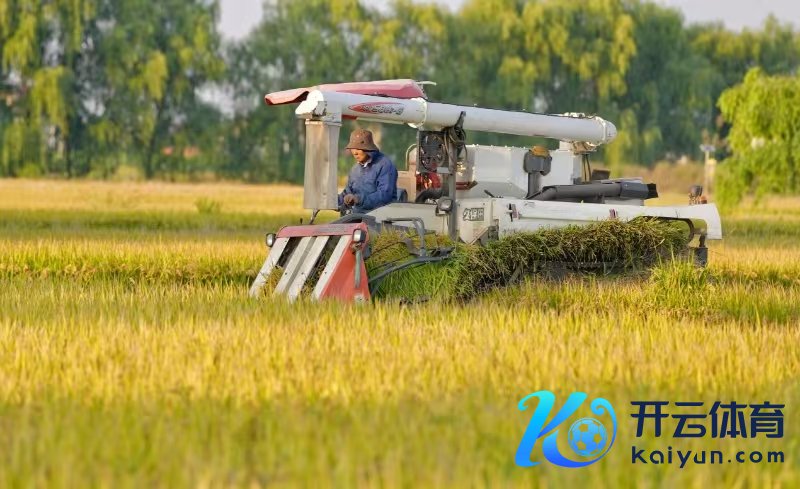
{"type": "Point", "coordinates": [587, 437]}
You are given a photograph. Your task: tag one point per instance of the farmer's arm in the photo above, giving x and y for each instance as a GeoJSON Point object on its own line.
{"type": "Point", "coordinates": [348, 189]}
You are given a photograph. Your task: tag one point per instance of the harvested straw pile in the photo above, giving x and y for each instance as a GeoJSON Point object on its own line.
{"type": "Point", "coordinates": [605, 246]}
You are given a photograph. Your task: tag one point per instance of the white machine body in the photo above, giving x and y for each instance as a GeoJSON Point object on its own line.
{"type": "Point", "coordinates": [498, 182]}
{"type": "Point", "coordinates": [498, 170]}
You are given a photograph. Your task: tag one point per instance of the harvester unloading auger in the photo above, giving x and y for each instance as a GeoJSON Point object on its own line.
{"type": "Point", "coordinates": [486, 192]}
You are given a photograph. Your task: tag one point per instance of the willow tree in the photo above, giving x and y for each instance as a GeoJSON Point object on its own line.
{"type": "Point", "coordinates": [764, 112]}
{"type": "Point", "coordinates": [105, 80]}
{"type": "Point", "coordinates": [42, 44]}
{"type": "Point", "coordinates": [156, 57]}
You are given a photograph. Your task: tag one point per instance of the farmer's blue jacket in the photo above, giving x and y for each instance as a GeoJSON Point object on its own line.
{"type": "Point", "coordinates": [375, 183]}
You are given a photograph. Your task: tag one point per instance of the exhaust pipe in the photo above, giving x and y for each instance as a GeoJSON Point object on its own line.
{"type": "Point", "coordinates": [597, 191]}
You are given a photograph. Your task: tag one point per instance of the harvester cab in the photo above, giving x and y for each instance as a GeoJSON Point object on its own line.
{"type": "Point", "coordinates": [471, 193]}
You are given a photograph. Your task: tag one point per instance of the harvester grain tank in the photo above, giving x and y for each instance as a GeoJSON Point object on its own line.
{"type": "Point", "coordinates": [486, 192]}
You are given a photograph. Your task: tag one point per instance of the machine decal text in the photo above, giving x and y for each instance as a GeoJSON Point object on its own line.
{"type": "Point", "coordinates": [378, 108]}
{"type": "Point", "coordinates": [473, 214]}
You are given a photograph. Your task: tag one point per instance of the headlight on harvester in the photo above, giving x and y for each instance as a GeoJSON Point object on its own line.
{"type": "Point", "coordinates": [359, 236]}
{"type": "Point", "coordinates": [270, 239]}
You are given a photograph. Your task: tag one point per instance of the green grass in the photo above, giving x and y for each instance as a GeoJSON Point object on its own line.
{"type": "Point", "coordinates": [130, 356]}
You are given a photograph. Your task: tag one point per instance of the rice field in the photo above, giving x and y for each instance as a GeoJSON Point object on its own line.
{"type": "Point", "coordinates": [130, 355]}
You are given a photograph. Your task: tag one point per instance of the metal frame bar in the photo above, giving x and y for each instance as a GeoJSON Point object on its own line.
{"type": "Point", "coordinates": [273, 258]}
{"type": "Point", "coordinates": [309, 262]}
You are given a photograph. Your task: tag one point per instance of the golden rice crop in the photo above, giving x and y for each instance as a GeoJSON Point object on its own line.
{"type": "Point", "coordinates": [130, 356]}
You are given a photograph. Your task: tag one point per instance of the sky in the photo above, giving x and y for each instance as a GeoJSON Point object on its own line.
{"type": "Point", "coordinates": [239, 16]}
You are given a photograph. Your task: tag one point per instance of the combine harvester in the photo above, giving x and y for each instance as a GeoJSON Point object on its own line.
{"type": "Point", "coordinates": [486, 192]}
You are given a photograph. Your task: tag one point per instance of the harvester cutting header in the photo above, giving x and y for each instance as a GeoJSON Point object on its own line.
{"type": "Point", "coordinates": [471, 193]}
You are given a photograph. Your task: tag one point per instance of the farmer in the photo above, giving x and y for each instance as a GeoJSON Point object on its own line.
{"type": "Point", "coordinates": [372, 181]}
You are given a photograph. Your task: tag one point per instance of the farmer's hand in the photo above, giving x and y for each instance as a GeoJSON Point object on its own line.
{"type": "Point", "coordinates": [350, 200]}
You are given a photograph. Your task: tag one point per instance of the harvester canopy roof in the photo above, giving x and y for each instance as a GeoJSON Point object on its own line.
{"type": "Point", "coordinates": [404, 88]}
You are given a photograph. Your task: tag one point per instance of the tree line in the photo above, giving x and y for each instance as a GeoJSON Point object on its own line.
{"type": "Point", "coordinates": [99, 87]}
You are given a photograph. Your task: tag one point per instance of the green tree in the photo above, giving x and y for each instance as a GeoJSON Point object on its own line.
{"type": "Point", "coordinates": [298, 43]}
{"type": "Point", "coordinates": [764, 112]}
{"type": "Point", "coordinates": [668, 99]}
{"type": "Point", "coordinates": [42, 45]}
{"type": "Point", "coordinates": [775, 48]}
{"type": "Point", "coordinates": [90, 81]}
{"type": "Point", "coordinates": [156, 58]}
{"type": "Point", "coordinates": [557, 56]}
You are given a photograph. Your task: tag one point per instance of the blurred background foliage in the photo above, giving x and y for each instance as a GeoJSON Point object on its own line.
{"type": "Point", "coordinates": [128, 89]}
